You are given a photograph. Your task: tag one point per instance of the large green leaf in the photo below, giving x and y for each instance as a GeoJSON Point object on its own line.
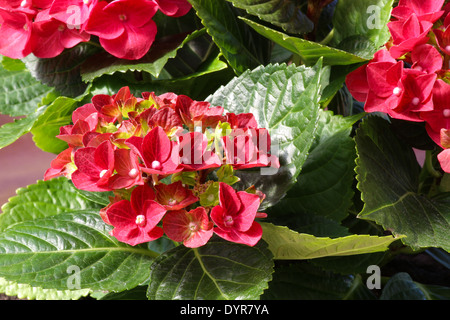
{"type": "Point", "coordinates": [49, 252]}
{"type": "Point", "coordinates": [362, 22]}
{"type": "Point", "coordinates": [286, 244]}
{"type": "Point", "coordinates": [20, 93]}
{"type": "Point", "coordinates": [44, 199]}
{"type": "Point", "coordinates": [153, 62]}
{"type": "Point", "coordinates": [307, 282]}
{"type": "Point", "coordinates": [286, 14]}
{"type": "Point", "coordinates": [25, 291]}
{"type": "Point", "coordinates": [388, 178]}
{"type": "Point", "coordinates": [308, 51]}
{"type": "Point", "coordinates": [324, 187]}
{"type": "Point", "coordinates": [285, 100]}
{"type": "Point", "coordinates": [219, 270]}
{"type": "Point", "coordinates": [241, 47]}
{"type": "Point", "coordinates": [63, 71]}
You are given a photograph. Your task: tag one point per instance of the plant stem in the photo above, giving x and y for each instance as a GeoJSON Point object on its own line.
{"type": "Point", "coordinates": [429, 165]}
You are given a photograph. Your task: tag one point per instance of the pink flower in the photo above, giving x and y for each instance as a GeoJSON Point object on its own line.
{"type": "Point", "coordinates": [62, 165]}
{"type": "Point", "coordinates": [94, 167]}
{"type": "Point", "coordinates": [406, 34]}
{"type": "Point", "coordinates": [135, 221]}
{"type": "Point", "coordinates": [128, 172]}
{"type": "Point", "coordinates": [85, 120]}
{"type": "Point", "coordinates": [50, 36]}
{"type": "Point", "coordinates": [356, 80]}
{"type": "Point", "coordinates": [174, 8]}
{"type": "Point", "coordinates": [426, 58]}
{"type": "Point", "coordinates": [249, 148]}
{"type": "Point", "coordinates": [428, 10]}
{"type": "Point", "coordinates": [241, 120]}
{"type": "Point", "coordinates": [15, 30]}
{"type": "Point", "coordinates": [174, 196]}
{"type": "Point", "coordinates": [195, 154]}
{"type": "Point", "coordinates": [159, 154]}
{"type": "Point", "coordinates": [439, 117]}
{"type": "Point", "coordinates": [74, 13]}
{"type": "Point", "coordinates": [125, 27]}
{"type": "Point", "coordinates": [235, 216]}
{"type": "Point", "coordinates": [193, 228]}
{"type": "Point", "coordinates": [194, 113]}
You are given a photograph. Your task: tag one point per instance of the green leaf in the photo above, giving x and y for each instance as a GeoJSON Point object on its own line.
{"type": "Point", "coordinates": [286, 244]}
{"type": "Point", "coordinates": [71, 251]}
{"type": "Point", "coordinates": [25, 291]}
{"type": "Point", "coordinates": [11, 131]}
{"type": "Point", "coordinates": [401, 287]}
{"type": "Point", "coordinates": [285, 14]}
{"type": "Point", "coordinates": [308, 51]}
{"type": "Point", "coordinates": [362, 20]}
{"type": "Point", "coordinates": [241, 48]}
{"type": "Point", "coordinates": [307, 282]}
{"type": "Point", "coordinates": [62, 72]}
{"type": "Point", "coordinates": [48, 125]}
{"type": "Point", "coordinates": [324, 187]}
{"type": "Point", "coordinates": [219, 270]}
{"type": "Point", "coordinates": [153, 62]}
{"type": "Point", "coordinates": [43, 199]}
{"type": "Point", "coordinates": [388, 178]}
{"type": "Point", "coordinates": [285, 100]}
{"type": "Point", "coordinates": [20, 93]}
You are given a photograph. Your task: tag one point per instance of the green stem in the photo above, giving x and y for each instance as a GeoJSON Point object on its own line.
{"type": "Point", "coordinates": [429, 165]}
{"type": "Point", "coordinates": [328, 38]}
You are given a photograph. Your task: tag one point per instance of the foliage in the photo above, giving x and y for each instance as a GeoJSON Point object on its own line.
{"type": "Point", "coordinates": [349, 192]}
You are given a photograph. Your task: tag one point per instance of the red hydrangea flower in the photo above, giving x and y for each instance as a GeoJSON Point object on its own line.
{"type": "Point", "coordinates": [74, 13]}
{"type": "Point", "coordinates": [439, 117]}
{"type": "Point", "coordinates": [194, 112]}
{"type": "Point", "coordinates": [194, 152]}
{"type": "Point", "coordinates": [159, 154]}
{"type": "Point", "coordinates": [428, 10]}
{"type": "Point", "coordinates": [356, 80]}
{"type": "Point", "coordinates": [235, 215]}
{"type": "Point", "coordinates": [241, 120]}
{"type": "Point", "coordinates": [15, 28]}
{"type": "Point", "coordinates": [135, 221]}
{"type": "Point", "coordinates": [125, 27]}
{"type": "Point", "coordinates": [444, 155]}
{"type": "Point", "coordinates": [193, 228]}
{"type": "Point", "coordinates": [50, 36]}
{"type": "Point", "coordinates": [128, 173]}
{"type": "Point", "coordinates": [94, 167]}
{"type": "Point", "coordinates": [174, 8]}
{"type": "Point", "coordinates": [406, 34]}
{"type": "Point", "coordinates": [426, 58]}
{"type": "Point", "coordinates": [85, 120]}
{"type": "Point", "coordinates": [174, 196]}
{"type": "Point", "coordinates": [62, 165]}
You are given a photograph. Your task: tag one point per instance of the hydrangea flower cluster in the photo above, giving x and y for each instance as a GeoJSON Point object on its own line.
{"type": "Point", "coordinates": [170, 162]}
{"type": "Point", "coordinates": [46, 27]}
{"type": "Point", "coordinates": [408, 78]}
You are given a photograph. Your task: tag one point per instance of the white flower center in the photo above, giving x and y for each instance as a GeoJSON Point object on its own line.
{"type": "Point", "coordinates": [397, 91]}
{"type": "Point", "coordinates": [228, 220]}
{"type": "Point", "coordinates": [140, 220]}
{"type": "Point", "coordinates": [156, 165]}
{"type": "Point", "coordinates": [133, 173]}
{"type": "Point", "coordinates": [103, 172]}
{"type": "Point", "coordinates": [415, 101]}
